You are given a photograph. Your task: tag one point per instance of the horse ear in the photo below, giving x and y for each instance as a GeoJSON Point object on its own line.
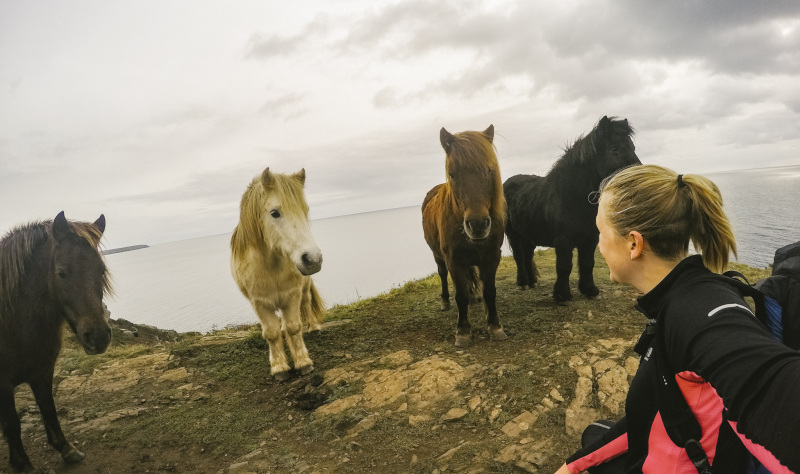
{"type": "Point", "coordinates": [100, 223]}
{"type": "Point", "coordinates": [60, 226]}
{"type": "Point", "coordinates": [446, 138]}
{"type": "Point", "coordinates": [267, 180]}
{"type": "Point", "coordinates": [604, 122]}
{"type": "Point", "coordinates": [301, 176]}
{"type": "Point", "coordinates": [489, 132]}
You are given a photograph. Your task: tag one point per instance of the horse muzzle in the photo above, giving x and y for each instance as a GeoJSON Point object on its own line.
{"type": "Point", "coordinates": [478, 228]}
{"type": "Point", "coordinates": [94, 340]}
{"type": "Point", "coordinates": [310, 263]}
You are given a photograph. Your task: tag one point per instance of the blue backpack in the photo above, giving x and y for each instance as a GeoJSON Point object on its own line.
{"type": "Point", "coordinates": [777, 302]}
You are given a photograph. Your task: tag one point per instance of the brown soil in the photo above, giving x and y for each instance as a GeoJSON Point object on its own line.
{"type": "Point", "coordinates": [390, 393]}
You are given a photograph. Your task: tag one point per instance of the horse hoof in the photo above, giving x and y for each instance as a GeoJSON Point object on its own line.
{"type": "Point", "coordinates": [306, 370]}
{"type": "Point", "coordinates": [562, 298]}
{"type": "Point", "coordinates": [445, 305]}
{"type": "Point", "coordinates": [281, 376]}
{"type": "Point", "coordinates": [463, 341]}
{"type": "Point", "coordinates": [524, 287]}
{"type": "Point", "coordinates": [497, 335]}
{"type": "Point", "coordinates": [72, 455]}
{"type": "Point", "coordinates": [591, 293]}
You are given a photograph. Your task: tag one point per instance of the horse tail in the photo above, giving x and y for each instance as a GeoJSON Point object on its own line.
{"type": "Point", "coordinates": [312, 311]}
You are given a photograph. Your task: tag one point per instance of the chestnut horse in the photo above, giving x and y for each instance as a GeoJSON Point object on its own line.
{"type": "Point", "coordinates": [272, 255]}
{"type": "Point", "coordinates": [51, 275]}
{"type": "Point", "coordinates": [463, 221]}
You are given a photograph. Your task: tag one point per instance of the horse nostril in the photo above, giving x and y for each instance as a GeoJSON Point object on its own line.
{"type": "Point", "coordinates": [306, 260]}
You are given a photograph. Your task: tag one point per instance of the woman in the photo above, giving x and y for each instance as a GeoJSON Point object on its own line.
{"type": "Point", "coordinates": [742, 386]}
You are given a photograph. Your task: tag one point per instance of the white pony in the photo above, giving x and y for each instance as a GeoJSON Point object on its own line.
{"type": "Point", "coordinates": [272, 255]}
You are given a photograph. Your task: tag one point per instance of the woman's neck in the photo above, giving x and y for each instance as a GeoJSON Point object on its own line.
{"type": "Point", "coordinates": [653, 270]}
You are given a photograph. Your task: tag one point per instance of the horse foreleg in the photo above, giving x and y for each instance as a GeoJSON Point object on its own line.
{"type": "Point", "coordinates": [293, 327]}
{"type": "Point", "coordinates": [463, 282]}
{"type": "Point", "coordinates": [586, 270]}
{"type": "Point", "coordinates": [271, 331]}
{"type": "Point", "coordinates": [43, 392]}
{"type": "Point", "coordinates": [445, 295]}
{"type": "Point", "coordinates": [12, 430]}
{"type": "Point", "coordinates": [561, 291]}
{"type": "Point", "coordinates": [488, 274]}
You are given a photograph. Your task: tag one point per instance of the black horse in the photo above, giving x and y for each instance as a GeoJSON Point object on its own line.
{"type": "Point", "coordinates": [556, 211]}
{"type": "Point", "coordinates": [51, 273]}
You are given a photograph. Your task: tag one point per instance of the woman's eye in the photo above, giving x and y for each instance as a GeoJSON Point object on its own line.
{"type": "Point", "coordinates": [275, 213]}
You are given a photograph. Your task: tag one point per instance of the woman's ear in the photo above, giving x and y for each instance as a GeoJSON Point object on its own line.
{"type": "Point", "coordinates": [636, 244]}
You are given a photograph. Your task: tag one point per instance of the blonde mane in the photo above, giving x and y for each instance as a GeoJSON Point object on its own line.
{"type": "Point", "coordinates": [249, 232]}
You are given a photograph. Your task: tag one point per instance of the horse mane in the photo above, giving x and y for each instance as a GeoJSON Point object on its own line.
{"type": "Point", "coordinates": [585, 146]}
{"type": "Point", "coordinates": [17, 248]}
{"type": "Point", "coordinates": [473, 150]}
{"type": "Point", "coordinates": [249, 232]}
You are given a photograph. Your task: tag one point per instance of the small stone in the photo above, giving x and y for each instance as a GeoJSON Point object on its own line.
{"type": "Point", "coordinates": [414, 459]}
{"type": "Point", "coordinates": [474, 402]}
{"type": "Point", "coordinates": [556, 396]}
{"type": "Point", "coordinates": [455, 414]}
{"type": "Point", "coordinates": [494, 414]}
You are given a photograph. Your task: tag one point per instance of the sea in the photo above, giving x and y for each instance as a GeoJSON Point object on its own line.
{"type": "Point", "coordinates": [187, 285]}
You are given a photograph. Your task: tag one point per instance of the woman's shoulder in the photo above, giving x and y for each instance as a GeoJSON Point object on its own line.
{"type": "Point", "coordinates": [703, 295]}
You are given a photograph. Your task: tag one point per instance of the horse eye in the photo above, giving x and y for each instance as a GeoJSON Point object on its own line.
{"type": "Point", "coordinates": [275, 213]}
{"type": "Point", "coordinates": [613, 148]}
{"type": "Point", "coordinates": [62, 274]}
{"type": "Point", "coordinates": [452, 176]}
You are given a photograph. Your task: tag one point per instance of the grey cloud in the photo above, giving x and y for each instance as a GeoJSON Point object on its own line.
{"type": "Point", "coordinates": [285, 106]}
{"type": "Point", "coordinates": [259, 47]}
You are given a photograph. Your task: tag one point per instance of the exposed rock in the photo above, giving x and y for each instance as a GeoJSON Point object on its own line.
{"type": "Point", "coordinates": [455, 414]}
{"type": "Point", "coordinates": [338, 406]}
{"type": "Point", "coordinates": [364, 425]}
{"type": "Point", "coordinates": [415, 420]}
{"type": "Point", "coordinates": [521, 423]}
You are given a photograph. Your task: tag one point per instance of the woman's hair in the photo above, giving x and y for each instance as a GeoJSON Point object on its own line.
{"type": "Point", "coordinates": [669, 210]}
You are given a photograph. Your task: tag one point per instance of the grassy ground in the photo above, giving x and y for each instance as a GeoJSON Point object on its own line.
{"type": "Point", "coordinates": [205, 403]}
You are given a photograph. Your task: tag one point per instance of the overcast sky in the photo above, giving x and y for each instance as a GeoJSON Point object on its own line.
{"type": "Point", "coordinates": [158, 113]}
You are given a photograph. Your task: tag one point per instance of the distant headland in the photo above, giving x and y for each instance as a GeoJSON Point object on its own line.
{"type": "Point", "coordinates": [124, 249]}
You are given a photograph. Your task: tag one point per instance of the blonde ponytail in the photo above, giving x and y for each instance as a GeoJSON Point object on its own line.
{"type": "Point", "coordinates": [670, 210]}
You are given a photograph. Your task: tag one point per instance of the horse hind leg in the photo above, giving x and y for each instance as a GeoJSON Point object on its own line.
{"type": "Point", "coordinates": [311, 308]}
{"type": "Point", "coordinates": [271, 331]}
{"type": "Point", "coordinates": [445, 295]}
{"type": "Point", "coordinates": [522, 252]}
{"type": "Point", "coordinates": [43, 392]}
{"type": "Point", "coordinates": [13, 431]}
{"type": "Point", "coordinates": [476, 289]}
{"type": "Point", "coordinates": [293, 327]}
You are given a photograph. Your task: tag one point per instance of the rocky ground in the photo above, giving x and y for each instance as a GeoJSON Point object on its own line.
{"type": "Point", "coordinates": [390, 393]}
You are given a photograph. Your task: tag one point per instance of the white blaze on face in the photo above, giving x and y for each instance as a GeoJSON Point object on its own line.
{"type": "Point", "coordinates": [290, 232]}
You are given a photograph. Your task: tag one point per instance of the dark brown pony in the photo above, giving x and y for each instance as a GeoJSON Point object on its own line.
{"type": "Point", "coordinates": [51, 273]}
{"type": "Point", "coordinates": [463, 220]}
